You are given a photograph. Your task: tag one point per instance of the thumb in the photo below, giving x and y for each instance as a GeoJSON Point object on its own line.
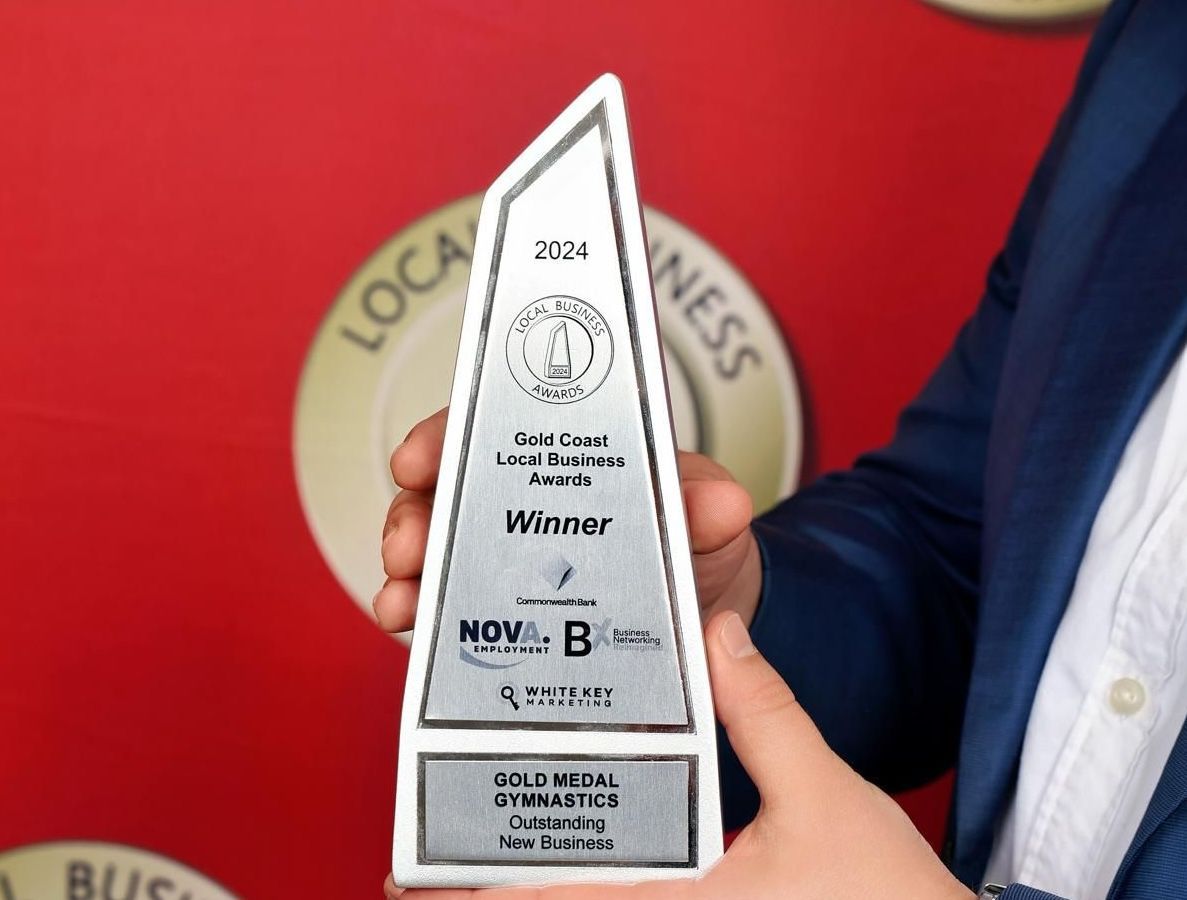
{"type": "Point", "coordinates": [775, 740]}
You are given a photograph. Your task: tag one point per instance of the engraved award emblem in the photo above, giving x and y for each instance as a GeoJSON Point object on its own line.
{"type": "Point", "coordinates": [557, 721]}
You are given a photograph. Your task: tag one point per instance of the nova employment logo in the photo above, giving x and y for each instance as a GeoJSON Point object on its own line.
{"type": "Point", "coordinates": [383, 357]}
{"type": "Point", "coordinates": [486, 642]}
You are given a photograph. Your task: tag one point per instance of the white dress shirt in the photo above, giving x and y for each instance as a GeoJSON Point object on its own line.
{"type": "Point", "coordinates": [1113, 693]}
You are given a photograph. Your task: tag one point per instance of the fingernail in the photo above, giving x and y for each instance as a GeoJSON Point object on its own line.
{"type": "Point", "coordinates": [735, 638]}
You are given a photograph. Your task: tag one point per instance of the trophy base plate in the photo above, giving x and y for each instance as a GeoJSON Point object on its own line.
{"type": "Point", "coordinates": [488, 819]}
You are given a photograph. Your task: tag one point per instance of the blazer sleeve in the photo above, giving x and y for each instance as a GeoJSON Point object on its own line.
{"type": "Point", "coordinates": [870, 575]}
{"type": "Point", "coordinates": [1022, 892]}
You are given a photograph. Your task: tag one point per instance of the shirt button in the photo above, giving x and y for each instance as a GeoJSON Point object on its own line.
{"type": "Point", "coordinates": [1127, 696]}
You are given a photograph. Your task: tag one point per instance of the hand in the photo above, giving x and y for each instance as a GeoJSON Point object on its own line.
{"type": "Point", "coordinates": [822, 832]}
{"type": "Point", "coordinates": [725, 555]}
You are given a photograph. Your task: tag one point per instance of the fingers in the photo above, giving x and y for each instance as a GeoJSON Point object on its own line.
{"type": "Point", "coordinates": [719, 509]}
{"type": "Point", "coordinates": [395, 604]}
{"type": "Point", "coordinates": [775, 740]}
{"type": "Point", "coordinates": [416, 461]}
{"type": "Point", "coordinates": [405, 534]}
{"type": "Point", "coordinates": [718, 512]}
{"type": "Point", "coordinates": [698, 467]}
{"type": "Point", "coordinates": [414, 466]}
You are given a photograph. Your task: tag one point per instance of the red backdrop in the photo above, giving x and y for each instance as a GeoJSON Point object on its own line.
{"type": "Point", "coordinates": [184, 189]}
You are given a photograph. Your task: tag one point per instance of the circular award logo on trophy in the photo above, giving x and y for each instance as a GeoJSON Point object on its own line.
{"type": "Point", "coordinates": [559, 349]}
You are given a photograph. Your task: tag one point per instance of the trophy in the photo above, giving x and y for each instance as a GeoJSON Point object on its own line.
{"type": "Point", "coordinates": [557, 722]}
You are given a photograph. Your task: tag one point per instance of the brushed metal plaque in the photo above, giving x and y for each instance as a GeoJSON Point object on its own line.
{"type": "Point", "coordinates": [559, 811]}
{"type": "Point", "coordinates": [558, 614]}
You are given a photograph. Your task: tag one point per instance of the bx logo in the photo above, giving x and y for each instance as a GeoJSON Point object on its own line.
{"type": "Point", "coordinates": [582, 638]}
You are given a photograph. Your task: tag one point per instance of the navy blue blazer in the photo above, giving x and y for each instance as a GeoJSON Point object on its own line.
{"type": "Point", "coordinates": [910, 601]}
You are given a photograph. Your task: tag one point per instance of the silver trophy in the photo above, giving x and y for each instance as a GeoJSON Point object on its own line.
{"type": "Point", "coordinates": [557, 721]}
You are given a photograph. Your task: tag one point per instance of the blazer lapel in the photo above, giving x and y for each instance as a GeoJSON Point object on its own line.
{"type": "Point", "coordinates": [1168, 796]}
{"type": "Point", "coordinates": [1103, 315]}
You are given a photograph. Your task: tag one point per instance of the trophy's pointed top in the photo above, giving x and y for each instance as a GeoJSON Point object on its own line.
{"type": "Point", "coordinates": [606, 84]}
{"type": "Point", "coordinates": [603, 96]}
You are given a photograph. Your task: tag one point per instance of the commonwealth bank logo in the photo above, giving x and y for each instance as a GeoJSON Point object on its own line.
{"type": "Point", "coordinates": [383, 359]}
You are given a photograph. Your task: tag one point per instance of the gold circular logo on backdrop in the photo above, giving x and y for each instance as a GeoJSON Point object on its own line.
{"type": "Point", "coordinates": [1023, 10]}
{"type": "Point", "coordinates": [383, 359]}
{"type": "Point", "coordinates": [76, 870]}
